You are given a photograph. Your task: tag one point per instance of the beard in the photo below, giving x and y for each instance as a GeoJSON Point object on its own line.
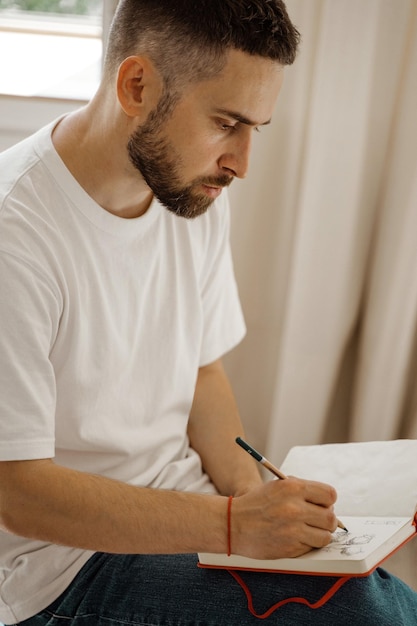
{"type": "Point", "coordinates": [159, 163]}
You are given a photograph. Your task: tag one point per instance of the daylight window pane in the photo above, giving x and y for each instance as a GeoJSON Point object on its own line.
{"type": "Point", "coordinates": [57, 7]}
{"type": "Point", "coordinates": [54, 47]}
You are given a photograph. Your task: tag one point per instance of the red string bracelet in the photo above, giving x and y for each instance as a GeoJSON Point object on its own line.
{"type": "Point", "coordinates": [229, 526]}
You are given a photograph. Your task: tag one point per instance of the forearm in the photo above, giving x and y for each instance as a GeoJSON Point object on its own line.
{"type": "Point", "coordinates": [41, 500]}
{"type": "Point", "coordinates": [213, 427]}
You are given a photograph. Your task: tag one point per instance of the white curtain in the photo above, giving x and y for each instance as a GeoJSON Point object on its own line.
{"type": "Point", "coordinates": [325, 240]}
{"type": "Point", "coordinates": [325, 236]}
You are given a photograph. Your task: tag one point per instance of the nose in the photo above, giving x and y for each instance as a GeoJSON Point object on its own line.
{"type": "Point", "coordinates": [236, 159]}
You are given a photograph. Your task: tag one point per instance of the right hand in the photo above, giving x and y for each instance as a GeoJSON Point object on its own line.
{"type": "Point", "coordinates": [283, 518]}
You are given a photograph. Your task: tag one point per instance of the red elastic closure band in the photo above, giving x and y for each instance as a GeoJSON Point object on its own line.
{"type": "Point", "coordinates": [229, 526]}
{"type": "Point", "coordinates": [312, 605]}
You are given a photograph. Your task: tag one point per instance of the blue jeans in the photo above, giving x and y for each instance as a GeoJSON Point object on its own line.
{"type": "Point", "coordinates": [170, 590]}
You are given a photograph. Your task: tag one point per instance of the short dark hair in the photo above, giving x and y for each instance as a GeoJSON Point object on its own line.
{"type": "Point", "coordinates": [187, 40]}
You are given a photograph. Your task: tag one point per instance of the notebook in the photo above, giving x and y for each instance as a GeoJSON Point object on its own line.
{"type": "Point", "coordinates": [377, 488]}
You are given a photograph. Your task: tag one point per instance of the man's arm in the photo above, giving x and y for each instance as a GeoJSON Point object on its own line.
{"type": "Point", "coordinates": [42, 500]}
{"type": "Point", "coordinates": [213, 427]}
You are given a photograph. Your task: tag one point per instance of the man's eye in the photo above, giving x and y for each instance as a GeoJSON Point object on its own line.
{"type": "Point", "coordinates": [226, 126]}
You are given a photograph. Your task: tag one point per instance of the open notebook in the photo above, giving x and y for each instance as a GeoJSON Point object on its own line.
{"type": "Point", "coordinates": [377, 487]}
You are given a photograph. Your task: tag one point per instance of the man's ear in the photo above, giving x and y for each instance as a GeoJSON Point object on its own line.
{"type": "Point", "coordinates": [139, 86]}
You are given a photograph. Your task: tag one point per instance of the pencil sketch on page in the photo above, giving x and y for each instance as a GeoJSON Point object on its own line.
{"type": "Point", "coordinates": [348, 544]}
{"type": "Point", "coordinates": [364, 536]}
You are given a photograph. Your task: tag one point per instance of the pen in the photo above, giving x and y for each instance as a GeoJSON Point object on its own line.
{"type": "Point", "coordinates": [269, 466]}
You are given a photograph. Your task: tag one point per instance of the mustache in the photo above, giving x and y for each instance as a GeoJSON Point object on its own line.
{"type": "Point", "coordinates": [216, 181]}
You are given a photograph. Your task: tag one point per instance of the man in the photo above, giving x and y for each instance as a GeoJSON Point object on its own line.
{"type": "Point", "coordinates": [117, 420]}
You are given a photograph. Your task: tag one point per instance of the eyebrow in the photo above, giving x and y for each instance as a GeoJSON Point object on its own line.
{"type": "Point", "coordinates": [241, 118]}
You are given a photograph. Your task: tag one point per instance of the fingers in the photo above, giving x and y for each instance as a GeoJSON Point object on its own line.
{"type": "Point", "coordinates": [313, 491]}
{"type": "Point", "coordinates": [314, 502]}
{"type": "Point", "coordinates": [284, 518]}
{"type": "Point", "coordinates": [319, 493]}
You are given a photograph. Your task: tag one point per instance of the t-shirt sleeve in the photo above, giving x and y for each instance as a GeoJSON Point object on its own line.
{"type": "Point", "coordinates": [29, 314]}
{"type": "Point", "coordinates": [224, 325]}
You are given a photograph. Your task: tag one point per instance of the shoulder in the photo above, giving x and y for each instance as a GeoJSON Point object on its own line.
{"type": "Point", "coordinates": [15, 163]}
{"type": "Point", "coordinates": [19, 170]}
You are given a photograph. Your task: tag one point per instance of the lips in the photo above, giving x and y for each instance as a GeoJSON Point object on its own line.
{"type": "Point", "coordinates": [212, 192]}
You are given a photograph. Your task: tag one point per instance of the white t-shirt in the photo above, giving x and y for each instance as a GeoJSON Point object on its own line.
{"type": "Point", "coordinates": [104, 324]}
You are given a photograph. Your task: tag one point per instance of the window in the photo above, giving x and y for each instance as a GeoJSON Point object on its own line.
{"type": "Point", "coordinates": [52, 48]}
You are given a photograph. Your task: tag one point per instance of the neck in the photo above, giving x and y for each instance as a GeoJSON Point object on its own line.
{"type": "Point", "coordinates": [93, 147]}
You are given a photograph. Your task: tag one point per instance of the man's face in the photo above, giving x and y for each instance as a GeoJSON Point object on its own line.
{"type": "Point", "coordinates": [186, 158]}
